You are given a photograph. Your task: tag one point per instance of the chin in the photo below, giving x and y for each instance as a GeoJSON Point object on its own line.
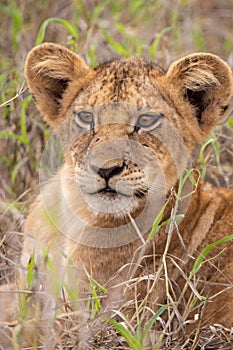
{"type": "Point", "coordinates": [112, 209]}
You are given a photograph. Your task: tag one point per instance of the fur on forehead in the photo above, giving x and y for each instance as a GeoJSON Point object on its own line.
{"type": "Point", "coordinates": [129, 68]}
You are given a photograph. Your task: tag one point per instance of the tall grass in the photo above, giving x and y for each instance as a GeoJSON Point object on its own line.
{"type": "Point", "coordinates": [99, 31]}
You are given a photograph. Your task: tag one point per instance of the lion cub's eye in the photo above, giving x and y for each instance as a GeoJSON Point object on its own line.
{"type": "Point", "coordinates": [84, 119]}
{"type": "Point", "coordinates": [149, 121]}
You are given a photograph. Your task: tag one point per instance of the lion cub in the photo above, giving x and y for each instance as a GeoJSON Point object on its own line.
{"type": "Point", "coordinates": [128, 130]}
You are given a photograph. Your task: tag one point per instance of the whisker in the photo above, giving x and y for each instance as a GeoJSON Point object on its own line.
{"type": "Point", "coordinates": [153, 185]}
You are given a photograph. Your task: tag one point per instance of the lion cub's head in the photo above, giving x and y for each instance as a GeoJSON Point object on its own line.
{"type": "Point", "coordinates": [127, 126]}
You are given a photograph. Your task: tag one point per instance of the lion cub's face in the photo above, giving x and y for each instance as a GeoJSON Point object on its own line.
{"type": "Point", "coordinates": [128, 127]}
{"type": "Point", "coordinates": [125, 158]}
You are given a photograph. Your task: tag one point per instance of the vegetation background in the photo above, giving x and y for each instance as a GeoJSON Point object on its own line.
{"type": "Point", "coordinates": [160, 30]}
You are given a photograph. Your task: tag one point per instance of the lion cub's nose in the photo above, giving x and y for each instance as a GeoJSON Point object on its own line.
{"type": "Point", "coordinates": [109, 172]}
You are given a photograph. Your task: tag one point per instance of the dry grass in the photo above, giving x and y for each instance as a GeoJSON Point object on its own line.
{"type": "Point", "coordinates": [192, 26]}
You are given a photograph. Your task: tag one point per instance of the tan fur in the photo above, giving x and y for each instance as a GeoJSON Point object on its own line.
{"type": "Point", "coordinates": [192, 96]}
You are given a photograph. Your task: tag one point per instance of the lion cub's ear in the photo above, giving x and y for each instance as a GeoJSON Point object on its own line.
{"type": "Point", "coordinates": [55, 75]}
{"type": "Point", "coordinates": [206, 82]}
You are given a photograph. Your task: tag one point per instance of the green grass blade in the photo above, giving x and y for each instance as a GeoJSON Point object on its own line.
{"type": "Point", "coordinates": [73, 292]}
{"type": "Point", "coordinates": [23, 138]}
{"type": "Point", "coordinates": [16, 169]}
{"type": "Point", "coordinates": [31, 272]}
{"type": "Point", "coordinates": [125, 333]}
{"type": "Point", "coordinates": [205, 251]}
{"type": "Point", "coordinates": [11, 135]}
{"type": "Point", "coordinates": [63, 22]}
{"type": "Point", "coordinates": [153, 48]}
{"type": "Point", "coordinates": [97, 285]}
{"type": "Point", "coordinates": [188, 175]}
{"type": "Point", "coordinates": [23, 125]}
{"type": "Point", "coordinates": [114, 44]}
{"type": "Point", "coordinates": [230, 122]}
{"type": "Point", "coordinates": [156, 225]}
{"type": "Point", "coordinates": [98, 9]}
{"type": "Point", "coordinates": [152, 322]}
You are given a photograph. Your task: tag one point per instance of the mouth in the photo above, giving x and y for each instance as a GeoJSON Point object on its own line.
{"type": "Point", "coordinates": [109, 192]}
{"type": "Point", "coordinates": [108, 201]}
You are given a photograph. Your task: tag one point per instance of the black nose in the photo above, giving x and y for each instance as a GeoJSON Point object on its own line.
{"type": "Point", "coordinates": [107, 173]}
